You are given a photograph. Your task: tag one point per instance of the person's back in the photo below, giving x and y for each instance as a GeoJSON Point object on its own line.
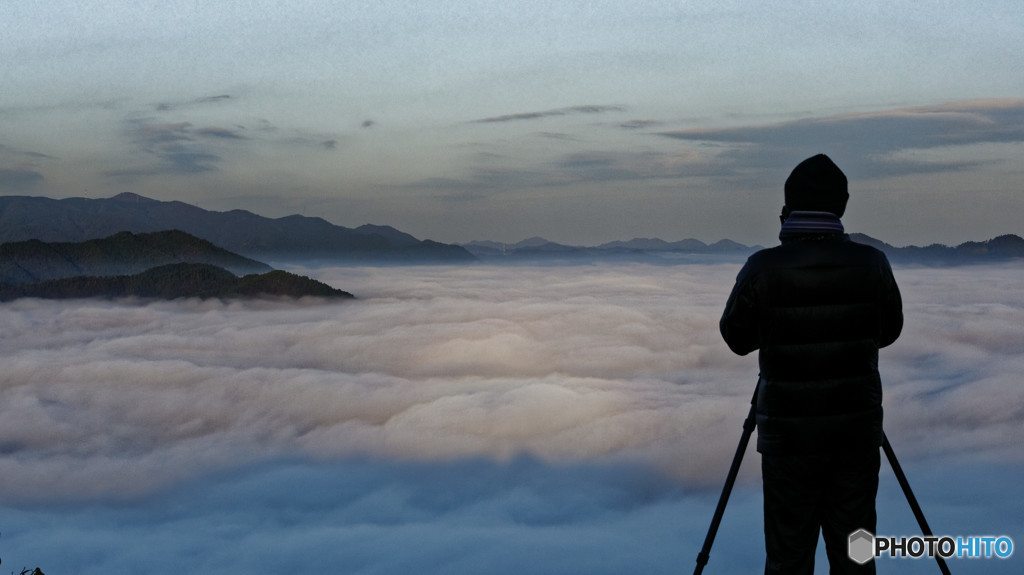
{"type": "Point", "coordinates": [817, 308]}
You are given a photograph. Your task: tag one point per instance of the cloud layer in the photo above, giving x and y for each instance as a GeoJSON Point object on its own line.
{"type": "Point", "coordinates": [600, 364]}
{"type": "Point", "coordinates": [124, 398]}
{"type": "Point", "coordinates": [485, 416]}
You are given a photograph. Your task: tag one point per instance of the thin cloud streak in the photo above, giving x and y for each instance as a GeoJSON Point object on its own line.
{"type": "Point", "coordinates": [732, 170]}
{"type": "Point", "coordinates": [222, 133]}
{"type": "Point", "coordinates": [873, 140]}
{"type": "Point", "coordinates": [14, 179]}
{"type": "Point", "coordinates": [588, 109]}
{"type": "Point", "coordinates": [572, 168]}
{"type": "Point", "coordinates": [177, 146]}
{"type": "Point", "coordinates": [197, 102]}
{"type": "Point", "coordinates": [957, 123]}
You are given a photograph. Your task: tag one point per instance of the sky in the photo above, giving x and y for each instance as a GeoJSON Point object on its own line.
{"type": "Point", "coordinates": [465, 419]}
{"type": "Point", "coordinates": [582, 122]}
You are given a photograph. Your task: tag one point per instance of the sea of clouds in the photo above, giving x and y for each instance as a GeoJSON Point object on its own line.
{"type": "Point", "coordinates": [471, 419]}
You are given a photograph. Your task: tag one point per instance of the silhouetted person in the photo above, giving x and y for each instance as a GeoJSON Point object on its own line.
{"type": "Point", "coordinates": [817, 307]}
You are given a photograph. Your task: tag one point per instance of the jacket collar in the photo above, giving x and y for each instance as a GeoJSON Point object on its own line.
{"type": "Point", "coordinates": [810, 224]}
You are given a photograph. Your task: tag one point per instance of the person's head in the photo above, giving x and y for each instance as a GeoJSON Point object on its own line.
{"type": "Point", "coordinates": [816, 185]}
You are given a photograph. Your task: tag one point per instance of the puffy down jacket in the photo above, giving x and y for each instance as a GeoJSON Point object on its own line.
{"type": "Point", "coordinates": [818, 309]}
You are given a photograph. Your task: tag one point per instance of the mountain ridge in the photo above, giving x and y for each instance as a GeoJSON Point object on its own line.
{"type": "Point", "coordinates": [176, 280]}
{"type": "Point", "coordinates": [297, 237]}
{"type": "Point", "coordinates": [1000, 248]}
{"type": "Point", "coordinates": [123, 253]}
{"type": "Point", "coordinates": [78, 219]}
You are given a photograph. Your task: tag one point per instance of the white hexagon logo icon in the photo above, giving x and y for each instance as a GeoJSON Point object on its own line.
{"type": "Point", "coordinates": [861, 547]}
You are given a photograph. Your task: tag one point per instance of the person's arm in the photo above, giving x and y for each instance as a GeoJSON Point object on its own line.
{"type": "Point", "coordinates": [739, 320]}
{"type": "Point", "coordinates": [891, 322]}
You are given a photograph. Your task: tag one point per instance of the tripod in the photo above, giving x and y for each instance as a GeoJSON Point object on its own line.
{"type": "Point", "coordinates": [748, 428]}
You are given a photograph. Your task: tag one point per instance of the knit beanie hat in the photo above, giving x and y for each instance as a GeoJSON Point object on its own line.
{"type": "Point", "coordinates": [817, 185]}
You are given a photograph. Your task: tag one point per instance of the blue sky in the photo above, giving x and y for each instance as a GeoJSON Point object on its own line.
{"type": "Point", "coordinates": [583, 122]}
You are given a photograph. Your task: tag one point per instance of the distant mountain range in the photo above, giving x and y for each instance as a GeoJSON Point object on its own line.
{"type": "Point", "coordinates": [78, 219]}
{"type": "Point", "coordinates": [540, 247]}
{"type": "Point", "coordinates": [167, 265]}
{"type": "Point", "coordinates": [292, 238]}
{"type": "Point", "coordinates": [176, 281]}
{"type": "Point", "coordinates": [123, 253]}
{"type": "Point", "coordinates": [1001, 248]}
{"type": "Point", "coordinates": [636, 249]}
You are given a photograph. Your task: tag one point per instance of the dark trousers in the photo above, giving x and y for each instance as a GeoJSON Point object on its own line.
{"type": "Point", "coordinates": [803, 494]}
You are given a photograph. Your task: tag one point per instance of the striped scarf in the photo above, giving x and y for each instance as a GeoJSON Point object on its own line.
{"type": "Point", "coordinates": [804, 224]}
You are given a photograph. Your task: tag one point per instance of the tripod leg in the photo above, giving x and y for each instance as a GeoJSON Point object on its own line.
{"type": "Point", "coordinates": [705, 551]}
{"type": "Point", "coordinates": [914, 506]}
